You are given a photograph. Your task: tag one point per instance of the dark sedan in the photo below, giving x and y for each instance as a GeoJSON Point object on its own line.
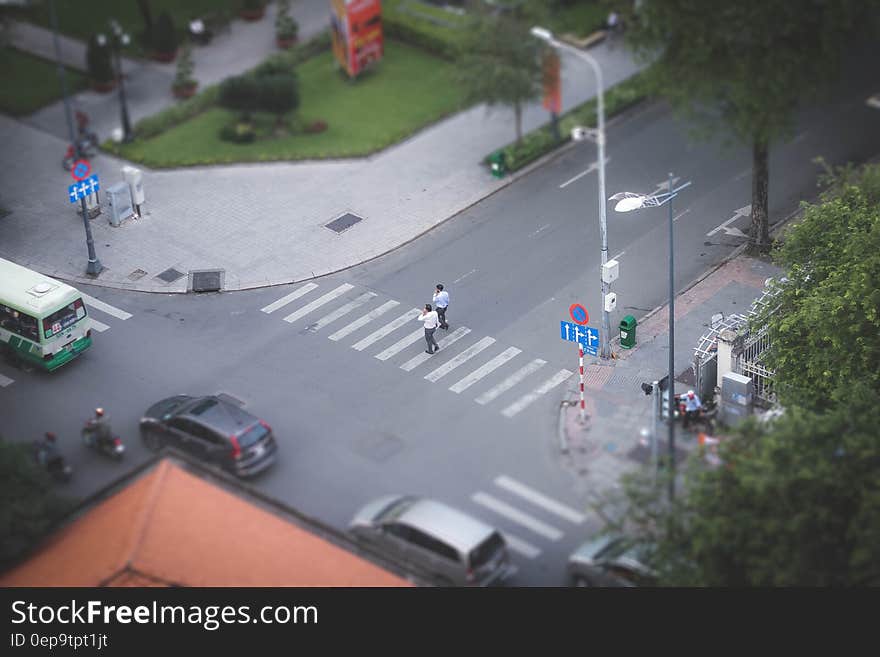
{"type": "Point", "coordinates": [213, 430]}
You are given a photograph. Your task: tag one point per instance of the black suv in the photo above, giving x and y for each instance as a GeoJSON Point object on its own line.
{"type": "Point", "coordinates": [211, 429]}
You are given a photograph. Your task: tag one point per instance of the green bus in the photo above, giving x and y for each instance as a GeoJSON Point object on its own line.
{"type": "Point", "coordinates": [43, 322]}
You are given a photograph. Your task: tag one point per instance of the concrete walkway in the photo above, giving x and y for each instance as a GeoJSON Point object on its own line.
{"type": "Point", "coordinates": [263, 224]}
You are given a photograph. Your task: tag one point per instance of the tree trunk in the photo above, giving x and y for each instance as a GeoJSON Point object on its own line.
{"type": "Point", "coordinates": [759, 233]}
{"type": "Point", "coordinates": [517, 110]}
{"type": "Point", "coordinates": [146, 12]}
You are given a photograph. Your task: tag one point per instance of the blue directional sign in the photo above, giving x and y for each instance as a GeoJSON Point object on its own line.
{"type": "Point", "coordinates": [587, 336]}
{"type": "Point", "coordinates": [83, 188]}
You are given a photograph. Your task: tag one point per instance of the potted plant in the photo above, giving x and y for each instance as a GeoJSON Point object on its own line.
{"type": "Point", "coordinates": [184, 84]}
{"type": "Point", "coordinates": [164, 39]}
{"type": "Point", "coordinates": [286, 27]}
{"type": "Point", "coordinates": [252, 10]}
{"type": "Point", "coordinates": [99, 64]}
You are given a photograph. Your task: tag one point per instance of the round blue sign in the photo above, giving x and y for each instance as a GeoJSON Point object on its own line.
{"type": "Point", "coordinates": [578, 313]}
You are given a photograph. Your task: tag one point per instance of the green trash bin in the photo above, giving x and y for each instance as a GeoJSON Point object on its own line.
{"type": "Point", "coordinates": [628, 332]}
{"type": "Point", "coordinates": [498, 164]}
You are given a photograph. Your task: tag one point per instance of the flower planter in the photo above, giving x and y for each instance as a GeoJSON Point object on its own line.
{"type": "Point", "coordinates": [286, 42]}
{"type": "Point", "coordinates": [252, 14]}
{"type": "Point", "coordinates": [103, 87]}
{"type": "Point", "coordinates": [185, 91]}
{"type": "Point", "coordinates": [164, 57]}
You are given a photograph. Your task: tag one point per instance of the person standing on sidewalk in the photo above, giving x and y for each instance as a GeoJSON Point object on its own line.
{"type": "Point", "coordinates": [429, 317]}
{"type": "Point", "coordinates": [441, 303]}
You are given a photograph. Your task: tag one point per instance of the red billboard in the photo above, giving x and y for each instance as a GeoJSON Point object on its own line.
{"type": "Point", "coordinates": [356, 28]}
{"type": "Point", "coordinates": [552, 92]}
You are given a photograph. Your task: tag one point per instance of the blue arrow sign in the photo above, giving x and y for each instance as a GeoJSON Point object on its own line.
{"type": "Point", "coordinates": [586, 336]}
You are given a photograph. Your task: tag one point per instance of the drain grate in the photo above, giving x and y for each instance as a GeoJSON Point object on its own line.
{"type": "Point", "coordinates": [170, 275]}
{"type": "Point", "coordinates": [206, 280]}
{"type": "Point", "coordinates": [344, 222]}
{"type": "Point", "coordinates": [137, 274]}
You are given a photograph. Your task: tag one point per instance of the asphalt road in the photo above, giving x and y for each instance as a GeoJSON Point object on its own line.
{"type": "Point", "coordinates": [353, 423]}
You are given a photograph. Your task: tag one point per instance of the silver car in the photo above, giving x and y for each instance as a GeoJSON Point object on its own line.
{"type": "Point", "coordinates": [432, 539]}
{"type": "Point", "coordinates": [610, 561]}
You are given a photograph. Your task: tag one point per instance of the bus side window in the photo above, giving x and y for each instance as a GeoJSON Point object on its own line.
{"type": "Point", "coordinates": [29, 328]}
{"type": "Point", "coordinates": [9, 319]}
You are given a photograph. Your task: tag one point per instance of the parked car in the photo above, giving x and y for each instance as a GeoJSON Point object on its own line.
{"type": "Point", "coordinates": [212, 429]}
{"type": "Point", "coordinates": [446, 545]}
{"type": "Point", "coordinates": [610, 561]}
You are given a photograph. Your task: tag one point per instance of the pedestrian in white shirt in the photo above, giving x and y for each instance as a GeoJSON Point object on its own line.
{"type": "Point", "coordinates": [441, 303]}
{"type": "Point", "coordinates": [429, 317]}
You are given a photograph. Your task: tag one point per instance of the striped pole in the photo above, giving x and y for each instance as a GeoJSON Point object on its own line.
{"type": "Point", "coordinates": [581, 364]}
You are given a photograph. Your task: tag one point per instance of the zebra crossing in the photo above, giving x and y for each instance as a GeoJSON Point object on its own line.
{"type": "Point", "coordinates": [318, 308]}
{"type": "Point", "coordinates": [533, 516]}
{"type": "Point", "coordinates": [92, 304]}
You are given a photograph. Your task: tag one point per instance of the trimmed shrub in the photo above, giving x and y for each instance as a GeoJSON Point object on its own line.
{"type": "Point", "coordinates": [164, 36]}
{"type": "Point", "coordinates": [98, 61]}
{"type": "Point", "coordinates": [278, 94]}
{"type": "Point", "coordinates": [240, 93]}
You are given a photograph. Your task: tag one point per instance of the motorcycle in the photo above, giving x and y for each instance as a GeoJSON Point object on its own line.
{"type": "Point", "coordinates": [47, 455]}
{"type": "Point", "coordinates": [108, 445]}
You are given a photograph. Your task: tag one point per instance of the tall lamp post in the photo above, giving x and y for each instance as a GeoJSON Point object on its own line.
{"type": "Point", "coordinates": [547, 36]}
{"type": "Point", "coordinates": [119, 40]}
{"type": "Point", "coordinates": [627, 202]}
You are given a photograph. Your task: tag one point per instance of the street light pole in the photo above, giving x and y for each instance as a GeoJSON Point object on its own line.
{"type": "Point", "coordinates": [120, 38]}
{"type": "Point", "coordinates": [547, 36]}
{"type": "Point", "coordinates": [671, 386]}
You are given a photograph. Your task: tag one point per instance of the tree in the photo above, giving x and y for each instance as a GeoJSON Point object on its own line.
{"type": "Point", "coordinates": [98, 61]}
{"type": "Point", "coordinates": [30, 508]}
{"type": "Point", "coordinates": [501, 64]}
{"type": "Point", "coordinates": [278, 94]}
{"type": "Point", "coordinates": [164, 36]}
{"type": "Point", "coordinates": [183, 78]}
{"type": "Point", "coordinates": [240, 93]}
{"type": "Point", "coordinates": [825, 336]}
{"type": "Point", "coordinates": [745, 65]}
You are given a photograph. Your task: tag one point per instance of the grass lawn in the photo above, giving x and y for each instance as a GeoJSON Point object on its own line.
{"type": "Point", "coordinates": [407, 91]}
{"type": "Point", "coordinates": [580, 18]}
{"type": "Point", "coordinates": [27, 83]}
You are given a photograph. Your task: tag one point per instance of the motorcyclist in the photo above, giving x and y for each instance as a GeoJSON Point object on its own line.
{"type": "Point", "coordinates": [693, 407]}
{"type": "Point", "coordinates": [98, 428]}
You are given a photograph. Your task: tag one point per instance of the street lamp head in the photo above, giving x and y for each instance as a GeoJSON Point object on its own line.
{"type": "Point", "coordinates": [542, 33]}
{"type": "Point", "coordinates": [101, 40]}
{"type": "Point", "coordinates": [125, 39]}
{"type": "Point", "coordinates": [628, 201]}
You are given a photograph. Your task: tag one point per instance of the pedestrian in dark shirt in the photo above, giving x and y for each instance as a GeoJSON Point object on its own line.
{"type": "Point", "coordinates": [441, 303]}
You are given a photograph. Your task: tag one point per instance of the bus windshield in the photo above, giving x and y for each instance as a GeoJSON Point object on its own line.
{"type": "Point", "coordinates": [63, 318]}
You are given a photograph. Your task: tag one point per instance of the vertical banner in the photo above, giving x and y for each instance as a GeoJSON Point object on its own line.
{"type": "Point", "coordinates": [356, 31]}
{"type": "Point", "coordinates": [552, 87]}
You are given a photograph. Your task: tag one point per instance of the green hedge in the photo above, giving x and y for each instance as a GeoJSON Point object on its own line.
{"type": "Point", "coordinates": [432, 29]}
{"type": "Point", "coordinates": [541, 141]}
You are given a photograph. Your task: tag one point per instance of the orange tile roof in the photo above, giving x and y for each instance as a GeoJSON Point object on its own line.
{"type": "Point", "coordinates": [172, 527]}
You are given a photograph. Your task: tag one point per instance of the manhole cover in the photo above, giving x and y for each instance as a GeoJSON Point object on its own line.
{"type": "Point", "coordinates": [344, 222]}
{"type": "Point", "coordinates": [170, 275]}
{"type": "Point", "coordinates": [136, 274]}
{"type": "Point", "coordinates": [207, 280]}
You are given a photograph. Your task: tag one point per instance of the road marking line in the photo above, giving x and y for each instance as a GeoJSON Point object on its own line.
{"type": "Point", "coordinates": [343, 310]}
{"type": "Point", "coordinates": [523, 547]}
{"type": "Point", "coordinates": [544, 227]}
{"type": "Point", "coordinates": [100, 327]}
{"type": "Point", "coordinates": [491, 366]}
{"type": "Point", "coordinates": [105, 307]}
{"type": "Point", "coordinates": [541, 390]}
{"type": "Point", "coordinates": [741, 212]}
{"type": "Point", "coordinates": [680, 215]}
{"type": "Point", "coordinates": [510, 381]}
{"type": "Point", "coordinates": [465, 355]}
{"type": "Point", "coordinates": [539, 499]}
{"type": "Point", "coordinates": [317, 303]}
{"type": "Point", "coordinates": [402, 344]}
{"type": "Point", "coordinates": [593, 167]}
{"type": "Point", "coordinates": [461, 278]}
{"type": "Point", "coordinates": [457, 334]}
{"type": "Point", "coordinates": [517, 516]}
{"type": "Point", "coordinates": [360, 321]}
{"type": "Point", "coordinates": [5, 381]}
{"type": "Point", "coordinates": [293, 296]}
{"type": "Point", "coordinates": [378, 334]}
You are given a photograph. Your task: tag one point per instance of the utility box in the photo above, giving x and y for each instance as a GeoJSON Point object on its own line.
{"type": "Point", "coordinates": [135, 179]}
{"type": "Point", "coordinates": [610, 302]}
{"type": "Point", "coordinates": [737, 399]}
{"type": "Point", "coordinates": [119, 201]}
{"type": "Point", "coordinates": [610, 271]}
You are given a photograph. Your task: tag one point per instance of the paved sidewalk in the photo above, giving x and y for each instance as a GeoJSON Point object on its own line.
{"type": "Point", "coordinates": [610, 443]}
{"type": "Point", "coordinates": [263, 224]}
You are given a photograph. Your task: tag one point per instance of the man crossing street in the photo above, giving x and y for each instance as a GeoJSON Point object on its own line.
{"type": "Point", "coordinates": [429, 317]}
{"type": "Point", "coordinates": [441, 303]}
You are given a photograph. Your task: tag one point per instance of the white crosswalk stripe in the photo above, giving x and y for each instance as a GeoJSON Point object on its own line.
{"type": "Point", "coordinates": [317, 303]}
{"type": "Point", "coordinates": [100, 327]}
{"type": "Point", "coordinates": [402, 344]}
{"type": "Point", "coordinates": [444, 342]}
{"type": "Point", "coordinates": [5, 381]}
{"type": "Point", "coordinates": [519, 545]}
{"type": "Point", "coordinates": [364, 319]}
{"type": "Point", "coordinates": [343, 310]}
{"type": "Point", "coordinates": [539, 499]}
{"type": "Point", "coordinates": [378, 334]}
{"type": "Point", "coordinates": [491, 366]}
{"type": "Point", "coordinates": [541, 390]}
{"type": "Point", "coordinates": [461, 358]}
{"type": "Point", "coordinates": [105, 307]}
{"type": "Point", "coordinates": [293, 296]}
{"type": "Point", "coordinates": [510, 381]}
{"type": "Point", "coordinates": [517, 516]}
